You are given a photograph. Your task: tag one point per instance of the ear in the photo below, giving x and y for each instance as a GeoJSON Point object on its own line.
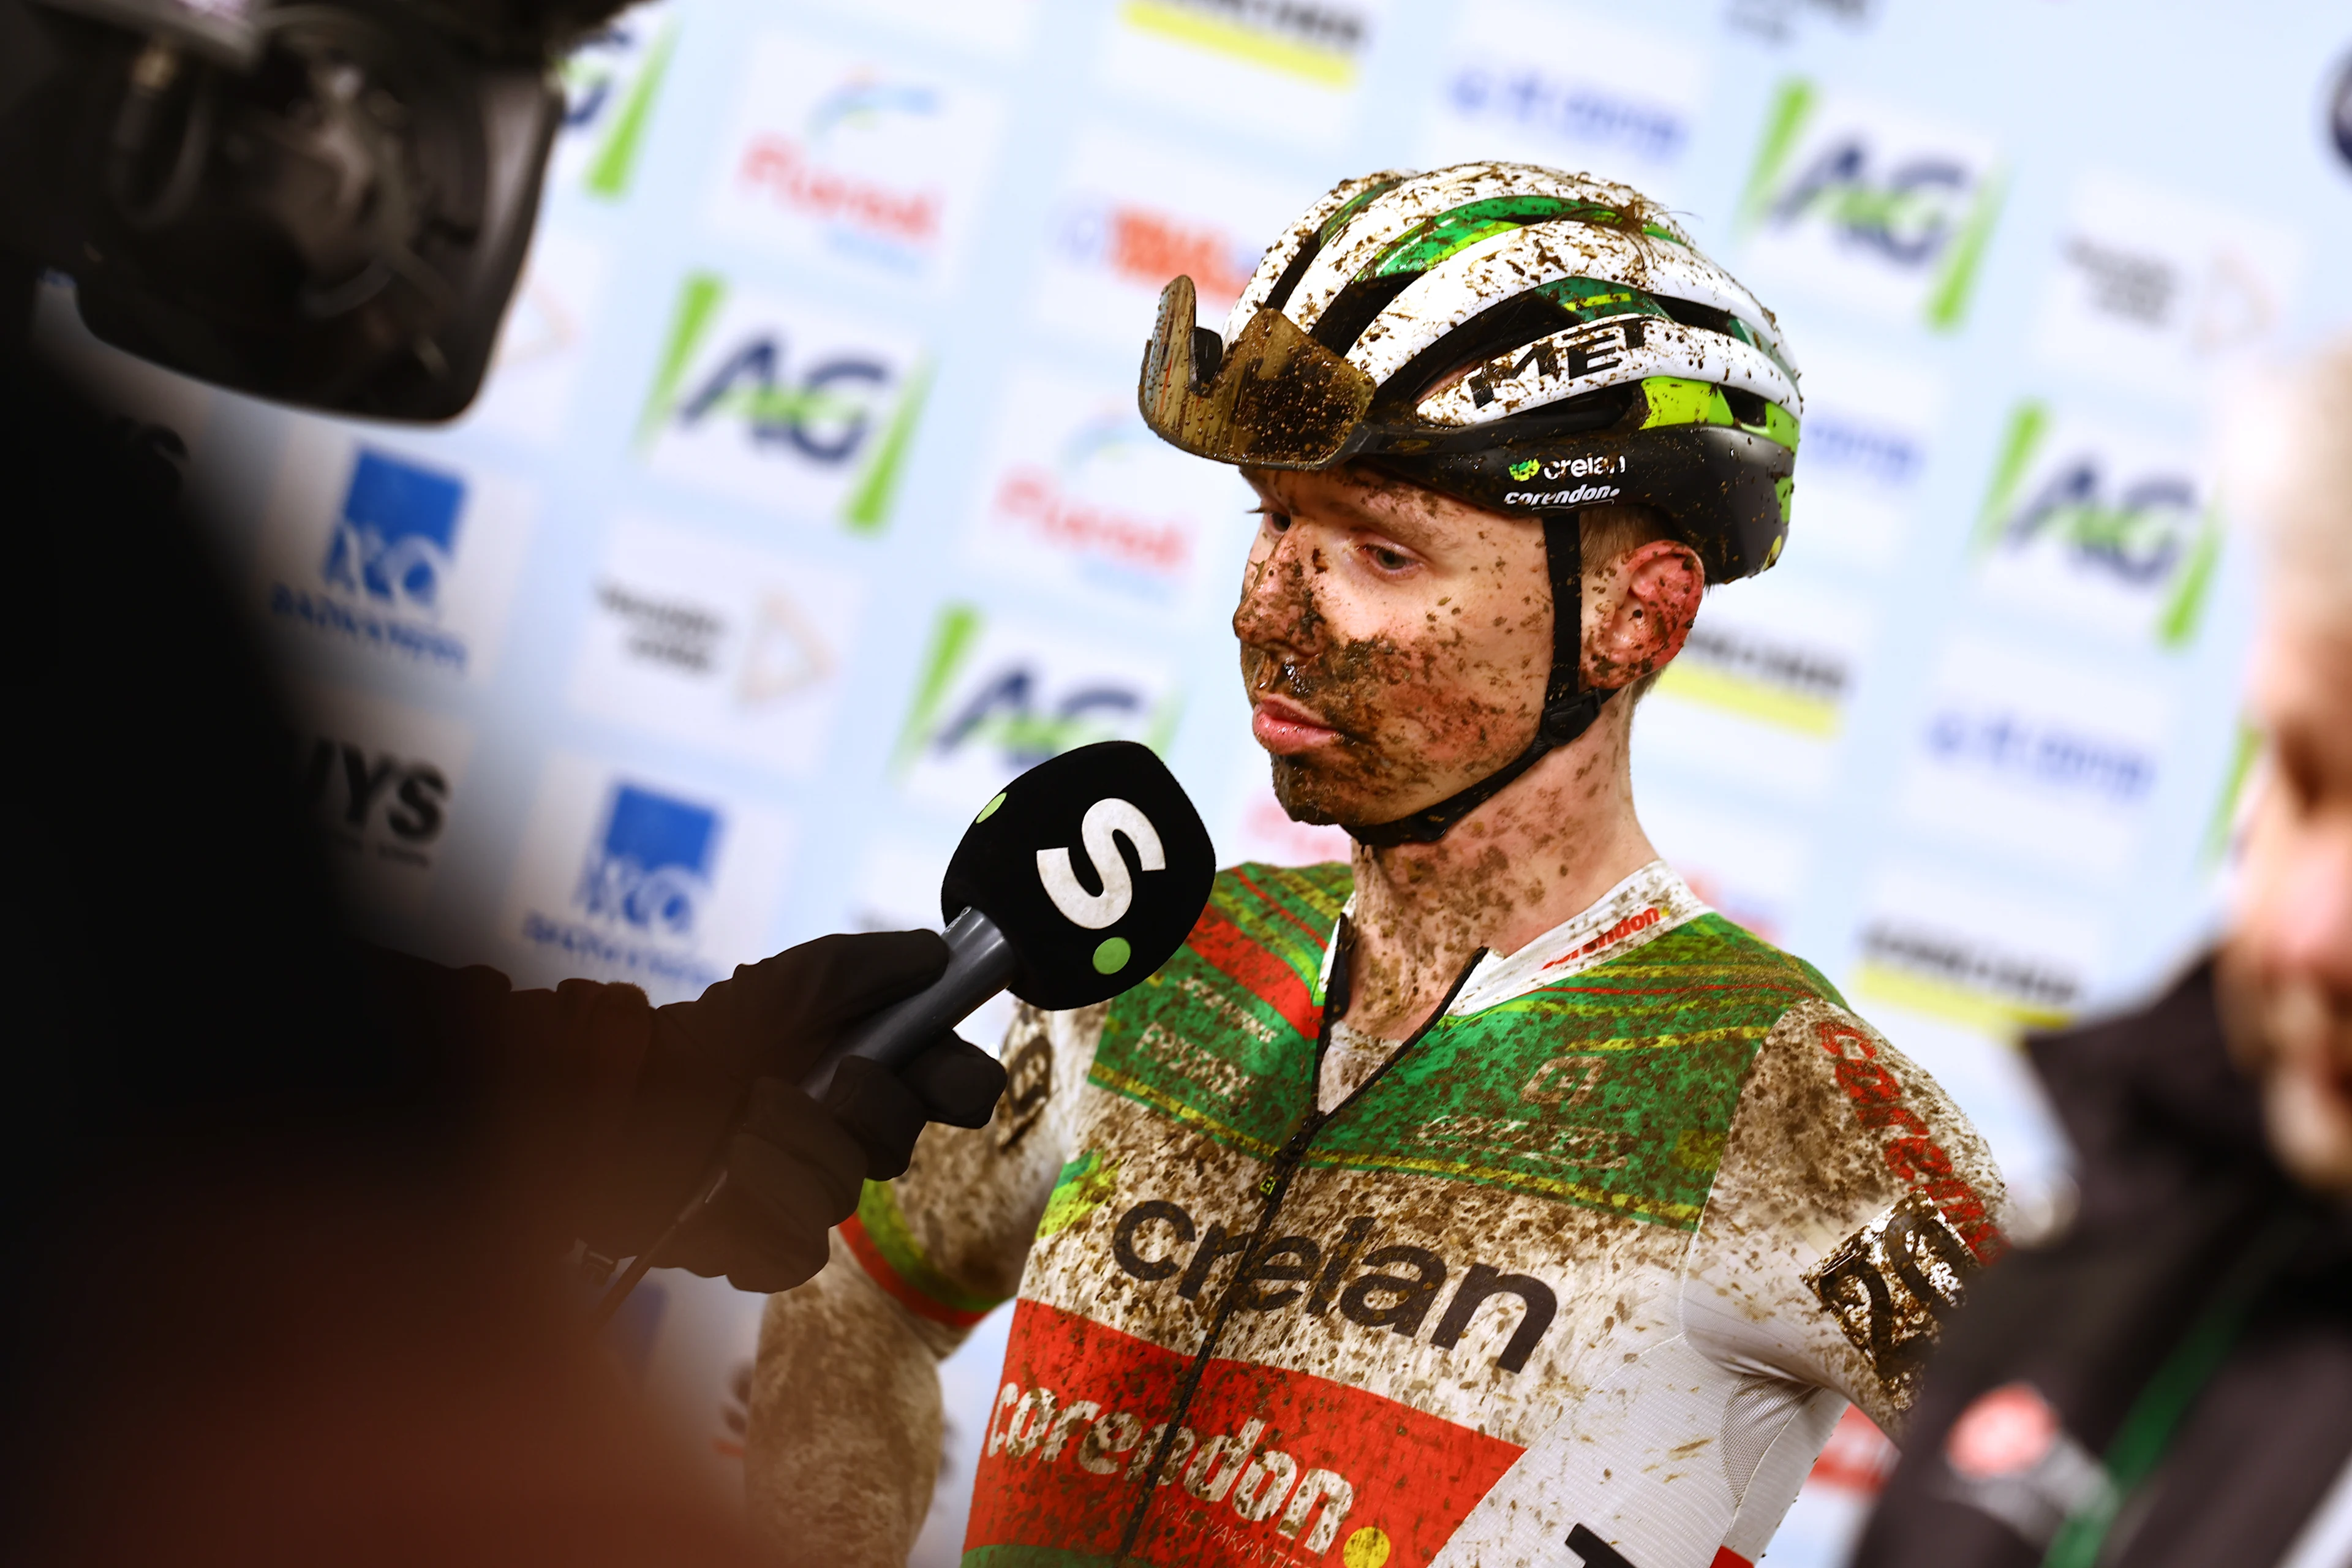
{"type": "Point", "coordinates": [1638, 610]}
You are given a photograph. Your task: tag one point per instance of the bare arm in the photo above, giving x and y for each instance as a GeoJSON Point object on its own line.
{"type": "Point", "coordinates": [843, 1448]}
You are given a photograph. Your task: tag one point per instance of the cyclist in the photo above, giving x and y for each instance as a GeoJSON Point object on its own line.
{"type": "Point", "coordinates": [1488, 1199]}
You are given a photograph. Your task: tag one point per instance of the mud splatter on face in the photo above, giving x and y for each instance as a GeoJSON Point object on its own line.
{"type": "Point", "coordinates": [1422, 640]}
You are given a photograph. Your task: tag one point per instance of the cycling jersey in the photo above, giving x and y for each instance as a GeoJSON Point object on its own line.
{"type": "Point", "coordinates": [1583, 1275]}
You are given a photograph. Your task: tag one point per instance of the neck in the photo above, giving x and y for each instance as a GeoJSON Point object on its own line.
{"type": "Point", "coordinates": [1540, 852]}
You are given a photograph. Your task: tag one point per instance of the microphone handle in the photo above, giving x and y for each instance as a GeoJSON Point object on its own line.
{"type": "Point", "coordinates": [981, 962]}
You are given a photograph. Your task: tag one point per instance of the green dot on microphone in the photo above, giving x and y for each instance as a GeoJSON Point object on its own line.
{"type": "Point", "coordinates": [989, 809]}
{"type": "Point", "coordinates": [1112, 955]}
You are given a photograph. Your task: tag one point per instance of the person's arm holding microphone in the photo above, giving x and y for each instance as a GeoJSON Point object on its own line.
{"type": "Point", "coordinates": [627, 1110]}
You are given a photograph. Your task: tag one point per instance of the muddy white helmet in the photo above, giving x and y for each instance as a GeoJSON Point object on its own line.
{"type": "Point", "coordinates": [1530, 341]}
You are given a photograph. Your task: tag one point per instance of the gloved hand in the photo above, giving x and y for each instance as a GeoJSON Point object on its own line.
{"type": "Point", "coordinates": [795, 1170]}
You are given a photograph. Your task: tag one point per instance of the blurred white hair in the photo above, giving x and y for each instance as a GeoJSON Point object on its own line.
{"type": "Point", "coordinates": [2288, 467]}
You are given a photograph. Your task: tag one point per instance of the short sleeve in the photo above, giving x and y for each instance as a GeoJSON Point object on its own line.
{"type": "Point", "coordinates": [1853, 1202]}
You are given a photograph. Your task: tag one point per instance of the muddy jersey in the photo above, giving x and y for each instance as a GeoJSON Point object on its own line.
{"type": "Point", "coordinates": [1584, 1275]}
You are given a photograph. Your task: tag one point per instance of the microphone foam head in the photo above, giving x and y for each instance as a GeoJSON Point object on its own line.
{"type": "Point", "coordinates": [1094, 866]}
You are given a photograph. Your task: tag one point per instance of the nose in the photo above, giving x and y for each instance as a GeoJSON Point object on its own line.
{"type": "Point", "coordinates": [1277, 594]}
{"type": "Point", "coordinates": [2316, 942]}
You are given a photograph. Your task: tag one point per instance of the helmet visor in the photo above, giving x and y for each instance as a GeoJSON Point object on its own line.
{"type": "Point", "coordinates": [1277, 399]}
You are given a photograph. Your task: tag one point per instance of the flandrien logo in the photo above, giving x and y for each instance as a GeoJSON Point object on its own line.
{"type": "Point", "coordinates": [782, 404]}
{"type": "Point", "coordinates": [625, 878]}
{"type": "Point", "coordinates": [996, 698]}
{"type": "Point", "coordinates": [1082, 497]}
{"type": "Point", "coordinates": [403, 557]}
{"type": "Point", "coordinates": [611, 84]}
{"type": "Point", "coordinates": [854, 158]}
{"type": "Point", "coordinates": [2099, 527]}
{"type": "Point", "coordinates": [716, 643]}
{"type": "Point", "coordinates": [1891, 213]}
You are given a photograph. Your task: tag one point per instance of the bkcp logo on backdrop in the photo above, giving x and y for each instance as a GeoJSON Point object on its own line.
{"type": "Point", "coordinates": [2155, 290]}
{"type": "Point", "coordinates": [786, 405]}
{"type": "Point", "coordinates": [2046, 763]}
{"type": "Point", "coordinates": [1130, 215]}
{"type": "Point", "coordinates": [995, 698]}
{"type": "Point", "coordinates": [611, 84]}
{"type": "Point", "coordinates": [408, 560]}
{"type": "Point", "coordinates": [1082, 497]}
{"type": "Point", "coordinates": [1289, 68]}
{"type": "Point", "coordinates": [625, 878]}
{"type": "Point", "coordinates": [381, 779]}
{"type": "Point", "coordinates": [1870, 206]}
{"type": "Point", "coordinates": [1870, 425]}
{"type": "Point", "coordinates": [1530, 82]}
{"type": "Point", "coordinates": [2098, 527]}
{"type": "Point", "coordinates": [838, 156]}
{"type": "Point", "coordinates": [716, 643]}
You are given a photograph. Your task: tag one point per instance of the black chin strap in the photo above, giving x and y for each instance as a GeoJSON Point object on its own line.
{"type": "Point", "coordinates": [1568, 712]}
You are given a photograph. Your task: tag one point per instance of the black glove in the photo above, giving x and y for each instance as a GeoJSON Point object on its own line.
{"type": "Point", "coordinates": [794, 1171]}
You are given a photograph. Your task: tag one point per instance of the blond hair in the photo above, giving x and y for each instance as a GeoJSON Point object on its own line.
{"type": "Point", "coordinates": [2289, 465]}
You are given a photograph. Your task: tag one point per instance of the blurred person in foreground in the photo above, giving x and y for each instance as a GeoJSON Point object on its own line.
{"type": "Point", "coordinates": [287, 1215]}
{"type": "Point", "coordinates": [2168, 1383]}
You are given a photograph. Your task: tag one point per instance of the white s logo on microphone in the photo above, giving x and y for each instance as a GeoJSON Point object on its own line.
{"type": "Point", "coordinates": [1103, 818]}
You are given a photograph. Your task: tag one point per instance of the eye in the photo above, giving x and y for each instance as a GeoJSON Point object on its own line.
{"type": "Point", "coordinates": [1274, 522]}
{"type": "Point", "coordinates": [1388, 560]}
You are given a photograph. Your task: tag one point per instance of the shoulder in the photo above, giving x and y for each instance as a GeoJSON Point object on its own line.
{"type": "Point", "coordinates": [1711, 954]}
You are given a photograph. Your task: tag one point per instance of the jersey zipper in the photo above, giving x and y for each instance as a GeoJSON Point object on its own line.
{"type": "Point", "coordinates": [1271, 1189]}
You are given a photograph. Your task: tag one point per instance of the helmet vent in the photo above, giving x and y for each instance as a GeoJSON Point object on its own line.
{"type": "Point", "coordinates": [1706, 318]}
{"type": "Point", "coordinates": [1345, 319]}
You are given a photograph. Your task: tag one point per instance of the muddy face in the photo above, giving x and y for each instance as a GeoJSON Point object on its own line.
{"type": "Point", "coordinates": [1394, 643]}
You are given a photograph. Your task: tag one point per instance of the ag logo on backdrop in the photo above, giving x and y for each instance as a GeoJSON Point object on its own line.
{"type": "Point", "coordinates": [611, 84]}
{"type": "Point", "coordinates": [1081, 496]}
{"type": "Point", "coordinates": [2099, 527]}
{"type": "Point", "coordinates": [1870, 206]}
{"type": "Point", "coordinates": [782, 404]}
{"type": "Point", "coordinates": [716, 643]}
{"type": "Point", "coordinates": [404, 559]}
{"type": "Point", "coordinates": [626, 877]}
{"type": "Point", "coordinates": [381, 779]}
{"type": "Point", "coordinates": [995, 698]}
{"type": "Point", "coordinates": [856, 159]}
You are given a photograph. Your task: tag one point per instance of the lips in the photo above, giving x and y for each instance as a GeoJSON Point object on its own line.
{"type": "Point", "coordinates": [1285, 729]}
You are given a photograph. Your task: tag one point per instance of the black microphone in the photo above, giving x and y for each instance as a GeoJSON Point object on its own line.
{"type": "Point", "coordinates": [1084, 876]}
{"type": "Point", "coordinates": [1077, 881]}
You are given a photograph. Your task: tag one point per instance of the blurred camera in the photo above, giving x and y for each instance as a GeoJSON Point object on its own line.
{"type": "Point", "coordinates": [323, 202]}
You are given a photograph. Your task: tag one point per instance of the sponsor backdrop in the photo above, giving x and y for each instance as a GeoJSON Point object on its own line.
{"type": "Point", "coordinates": [808, 500]}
